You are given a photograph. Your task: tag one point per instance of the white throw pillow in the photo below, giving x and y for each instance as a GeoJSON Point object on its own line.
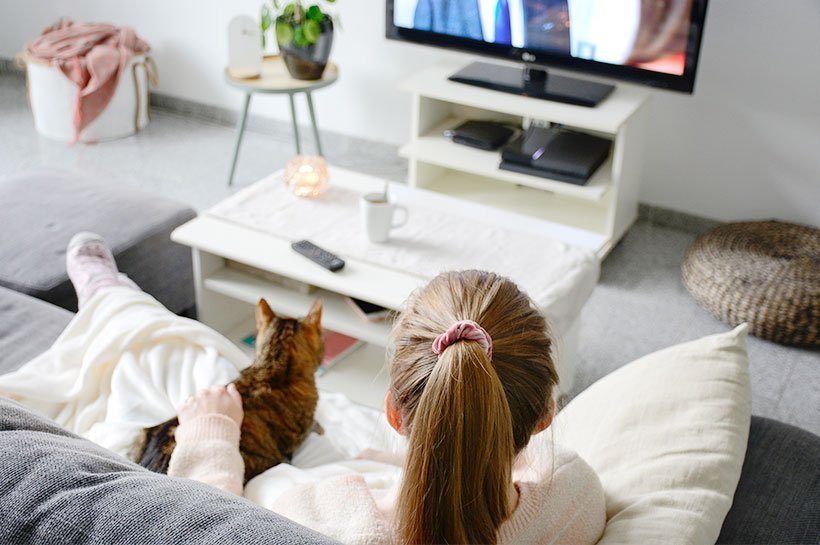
{"type": "Point", "coordinates": [667, 435]}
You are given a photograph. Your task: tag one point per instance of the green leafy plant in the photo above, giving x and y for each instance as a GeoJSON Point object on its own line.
{"type": "Point", "coordinates": [293, 21]}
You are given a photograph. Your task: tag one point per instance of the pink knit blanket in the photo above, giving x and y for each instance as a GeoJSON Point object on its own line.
{"type": "Point", "coordinates": [92, 55]}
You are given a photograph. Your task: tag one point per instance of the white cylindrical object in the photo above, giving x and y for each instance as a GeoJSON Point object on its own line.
{"type": "Point", "coordinates": [244, 47]}
{"type": "Point", "coordinates": [54, 97]}
{"type": "Point", "coordinates": [378, 216]}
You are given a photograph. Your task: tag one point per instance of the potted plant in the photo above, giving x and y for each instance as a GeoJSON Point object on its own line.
{"type": "Point", "coordinates": [304, 33]}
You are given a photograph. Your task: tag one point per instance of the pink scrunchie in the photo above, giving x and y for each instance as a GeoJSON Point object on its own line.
{"type": "Point", "coordinates": [466, 330]}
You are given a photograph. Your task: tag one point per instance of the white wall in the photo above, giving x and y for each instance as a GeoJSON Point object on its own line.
{"type": "Point", "coordinates": [746, 145]}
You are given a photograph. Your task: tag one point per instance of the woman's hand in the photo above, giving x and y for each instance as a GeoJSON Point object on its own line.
{"type": "Point", "coordinates": [213, 400]}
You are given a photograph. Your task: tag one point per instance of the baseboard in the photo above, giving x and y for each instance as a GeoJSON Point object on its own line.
{"type": "Point", "coordinates": [220, 115]}
{"type": "Point", "coordinates": [681, 221]}
{"type": "Point", "coordinates": [224, 116]}
{"type": "Point", "coordinates": [189, 108]}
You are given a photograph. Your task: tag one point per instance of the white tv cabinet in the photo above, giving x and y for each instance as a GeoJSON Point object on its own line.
{"type": "Point", "coordinates": [595, 215]}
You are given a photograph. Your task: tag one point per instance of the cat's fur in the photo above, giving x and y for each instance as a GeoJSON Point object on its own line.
{"type": "Point", "coordinates": [278, 395]}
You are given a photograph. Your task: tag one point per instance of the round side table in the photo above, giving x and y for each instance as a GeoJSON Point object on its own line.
{"type": "Point", "coordinates": [275, 80]}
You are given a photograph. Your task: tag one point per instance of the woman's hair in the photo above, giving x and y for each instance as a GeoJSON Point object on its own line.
{"type": "Point", "coordinates": [466, 416]}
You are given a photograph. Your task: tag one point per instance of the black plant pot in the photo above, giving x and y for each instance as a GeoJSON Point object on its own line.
{"type": "Point", "coordinates": [308, 63]}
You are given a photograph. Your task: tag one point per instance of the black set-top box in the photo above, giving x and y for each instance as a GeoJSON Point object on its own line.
{"type": "Point", "coordinates": [556, 153]}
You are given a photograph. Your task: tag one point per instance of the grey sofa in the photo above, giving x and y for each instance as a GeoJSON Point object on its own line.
{"type": "Point", "coordinates": [58, 488]}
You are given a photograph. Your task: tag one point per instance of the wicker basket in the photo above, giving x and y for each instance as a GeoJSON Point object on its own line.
{"type": "Point", "coordinates": [53, 100]}
{"type": "Point", "coordinates": [766, 273]}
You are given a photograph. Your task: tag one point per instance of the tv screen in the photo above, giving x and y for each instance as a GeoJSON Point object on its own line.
{"type": "Point", "coordinates": [654, 42]}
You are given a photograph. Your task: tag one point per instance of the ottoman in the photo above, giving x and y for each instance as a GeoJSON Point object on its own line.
{"type": "Point", "coordinates": [766, 273]}
{"type": "Point", "coordinates": [41, 211]}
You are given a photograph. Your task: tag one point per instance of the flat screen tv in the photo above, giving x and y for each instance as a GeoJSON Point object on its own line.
{"type": "Point", "coordinates": [651, 42]}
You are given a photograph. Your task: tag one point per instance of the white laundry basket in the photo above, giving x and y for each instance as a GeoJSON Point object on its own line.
{"type": "Point", "coordinates": [53, 98]}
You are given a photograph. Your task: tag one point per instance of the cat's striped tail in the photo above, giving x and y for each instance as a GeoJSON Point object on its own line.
{"type": "Point", "coordinates": [154, 450]}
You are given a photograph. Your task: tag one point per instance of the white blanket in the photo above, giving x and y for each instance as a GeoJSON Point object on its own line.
{"type": "Point", "coordinates": [125, 363]}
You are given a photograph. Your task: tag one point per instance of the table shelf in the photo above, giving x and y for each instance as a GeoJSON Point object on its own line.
{"type": "Point", "coordinates": [538, 204]}
{"type": "Point", "coordinates": [337, 314]}
{"type": "Point", "coordinates": [435, 148]}
{"type": "Point", "coordinates": [607, 117]}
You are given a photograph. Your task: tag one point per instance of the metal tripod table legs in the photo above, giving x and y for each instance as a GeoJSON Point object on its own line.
{"type": "Point", "coordinates": [240, 130]}
{"type": "Point", "coordinates": [242, 121]}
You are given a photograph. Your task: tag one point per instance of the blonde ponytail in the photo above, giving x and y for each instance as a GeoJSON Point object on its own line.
{"type": "Point", "coordinates": [468, 410]}
{"type": "Point", "coordinates": [458, 471]}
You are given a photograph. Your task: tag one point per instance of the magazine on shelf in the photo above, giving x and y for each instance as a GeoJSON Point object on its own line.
{"type": "Point", "coordinates": [337, 348]}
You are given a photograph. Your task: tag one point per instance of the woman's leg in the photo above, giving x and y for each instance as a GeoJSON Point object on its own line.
{"type": "Point", "coordinates": [91, 267]}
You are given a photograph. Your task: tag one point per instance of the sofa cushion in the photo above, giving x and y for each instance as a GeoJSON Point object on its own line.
{"type": "Point", "coordinates": [778, 497]}
{"type": "Point", "coordinates": [43, 210]}
{"type": "Point", "coordinates": [667, 435]}
{"type": "Point", "coordinates": [60, 488]}
{"type": "Point", "coordinates": [27, 328]}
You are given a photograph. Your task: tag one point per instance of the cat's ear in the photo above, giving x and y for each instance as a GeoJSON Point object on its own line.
{"type": "Point", "coordinates": [264, 315]}
{"type": "Point", "coordinates": [314, 316]}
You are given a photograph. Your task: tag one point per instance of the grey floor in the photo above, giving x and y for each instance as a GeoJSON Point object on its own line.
{"type": "Point", "coordinates": [638, 307]}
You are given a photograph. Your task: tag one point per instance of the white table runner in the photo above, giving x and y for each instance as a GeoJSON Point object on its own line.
{"type": "Point", "coordinates": [437, 237]}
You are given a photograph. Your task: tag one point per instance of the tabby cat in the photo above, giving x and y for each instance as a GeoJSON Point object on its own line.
{"type": "Point", "coordinates": [278, 395]}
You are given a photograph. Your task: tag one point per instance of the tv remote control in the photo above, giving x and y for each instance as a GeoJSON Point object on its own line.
{"type": "Point", "coordinates": [322, 257]}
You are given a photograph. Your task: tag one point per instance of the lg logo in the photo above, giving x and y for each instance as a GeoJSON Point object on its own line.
{"type": "Point", "coordinates": [527, 57]}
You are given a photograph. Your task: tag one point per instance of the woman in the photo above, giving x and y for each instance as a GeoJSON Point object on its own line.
{"type": "Point", "coordinates": [471, 380]}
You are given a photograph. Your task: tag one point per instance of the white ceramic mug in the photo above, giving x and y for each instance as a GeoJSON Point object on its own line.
{"type": "Point", "coordinates": [378, 216]}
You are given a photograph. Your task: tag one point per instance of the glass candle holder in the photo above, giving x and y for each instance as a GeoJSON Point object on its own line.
{"type": "Point", "coordinates": [306, 175]}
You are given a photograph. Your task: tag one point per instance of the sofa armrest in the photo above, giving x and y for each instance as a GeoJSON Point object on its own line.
{"type": "Point", "coordinates": [27, 328]}
{"type": "Point", "coordinates": [60, 488]}
{"type": "Point", "coordinates": [778, 497]}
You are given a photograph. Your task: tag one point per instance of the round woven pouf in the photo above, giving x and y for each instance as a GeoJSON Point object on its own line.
{"type": "Point", "coordinates": [766, 273]}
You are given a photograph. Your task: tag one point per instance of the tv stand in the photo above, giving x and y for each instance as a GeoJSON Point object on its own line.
{"type": "Point", "coordinates": [533, 82]}
{"type": "Point", "coordinates": [595, 215]}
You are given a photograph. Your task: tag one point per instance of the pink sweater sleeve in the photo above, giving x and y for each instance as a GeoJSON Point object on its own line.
{"type": "Point", "coordinates": [208, 451]}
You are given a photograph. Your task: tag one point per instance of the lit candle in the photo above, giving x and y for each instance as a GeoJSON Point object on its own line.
{"type": "Point", "coordinates": [306, 175]}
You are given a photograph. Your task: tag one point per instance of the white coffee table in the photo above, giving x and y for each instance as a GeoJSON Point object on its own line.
{"type": "Point", "coordinates": [225, 295]}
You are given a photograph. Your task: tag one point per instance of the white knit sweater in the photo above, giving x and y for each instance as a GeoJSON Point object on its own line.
{"type": "Point", "coordinates": [564, 505]}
